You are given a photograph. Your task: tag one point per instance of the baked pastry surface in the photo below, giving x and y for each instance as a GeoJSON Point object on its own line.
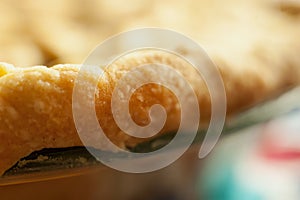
{"type": "Point", "coordinates": [254, 44]}
{"type": "Point", "coordinates": [36, 102]}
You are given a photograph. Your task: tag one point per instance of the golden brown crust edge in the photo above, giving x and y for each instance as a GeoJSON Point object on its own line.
{"type": "Point", "coordinates": [36, 103]}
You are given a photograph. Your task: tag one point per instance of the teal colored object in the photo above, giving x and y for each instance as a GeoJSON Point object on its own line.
{"type": "Point", "coordinates": [218, 179]}
{"type": "Point", "coordinates": [223, 185]}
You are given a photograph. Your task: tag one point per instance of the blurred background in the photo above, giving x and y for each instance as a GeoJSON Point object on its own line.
{"type": "Point", "coordinates": [240, 33]}
{"type": "Point", "coordinates": [64, 31]}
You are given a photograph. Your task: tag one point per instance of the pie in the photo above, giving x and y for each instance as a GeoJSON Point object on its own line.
{"type": "Point", "coordinates": [254, 44]}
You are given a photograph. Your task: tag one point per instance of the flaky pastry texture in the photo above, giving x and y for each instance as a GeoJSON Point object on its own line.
{"type": "Point", "coordinates": [36, 102]}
